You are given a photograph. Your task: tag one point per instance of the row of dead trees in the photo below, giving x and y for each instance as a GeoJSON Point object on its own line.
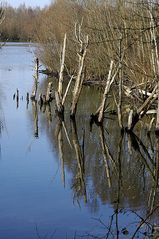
{"type": "Point", "coordinates": [115, 72]}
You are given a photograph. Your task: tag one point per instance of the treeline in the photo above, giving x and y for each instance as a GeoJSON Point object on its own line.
{"type": "Point", "coordinates": [20, 24]}
{"type": "Point", "coordinates": [116, 29]}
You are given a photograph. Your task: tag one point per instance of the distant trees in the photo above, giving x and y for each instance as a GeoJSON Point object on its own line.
{"type": "Point", "coordinates": [20, 23]}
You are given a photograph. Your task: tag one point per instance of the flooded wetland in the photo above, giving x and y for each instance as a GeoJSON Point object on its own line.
{"type": "Point", "coordinates": [70, 179]}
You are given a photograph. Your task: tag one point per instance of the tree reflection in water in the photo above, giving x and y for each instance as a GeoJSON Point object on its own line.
{"type": "Point", "coordinates": [107, 167]}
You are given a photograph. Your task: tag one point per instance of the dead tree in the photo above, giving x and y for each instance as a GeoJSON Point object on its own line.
{"type": "Point", "coordinates": [59, 92]}
{"type": "Point", "coordinates": [49, 96]}
{"type": "Point", "coordinates": [99, 115]}
{"type": "Point", "coordinates": [36, 77]}
{"type": "Point", "coordinates": [59, 97]}
{"type": "Point", "coordinates": [83, 43]}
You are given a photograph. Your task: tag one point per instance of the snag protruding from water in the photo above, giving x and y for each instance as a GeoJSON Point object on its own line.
{"type": "Point", "coordinates": [59, 92]}
{"type": "Point", "coordinates": [36, 77]}
{"type": "Point", "coordinates": [99, 115]}
{"type": "Point", "coordinates": [83, 43]}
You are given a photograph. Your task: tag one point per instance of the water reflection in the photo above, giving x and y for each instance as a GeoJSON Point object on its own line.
{"type": "Point", "coordinates": [106, 167]}
{"type": "Point", "coordinates": [108, 181]}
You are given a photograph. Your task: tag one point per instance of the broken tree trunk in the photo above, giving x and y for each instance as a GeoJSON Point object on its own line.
{"type": "Point", "coordinates": [49, 96]}
{"type": "Point", "coordinates": [59, 106]}
{"type": "Point", "coordinates": [36, 77]}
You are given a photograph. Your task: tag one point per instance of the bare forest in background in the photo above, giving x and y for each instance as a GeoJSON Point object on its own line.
{"type": "Point", "coordinates": [19, 24]}
{"type": "Point", "coordinates": [127, 29]}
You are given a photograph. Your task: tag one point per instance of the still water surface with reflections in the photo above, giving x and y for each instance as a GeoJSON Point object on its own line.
{"type": "Point", "coordinates": [67, 179]}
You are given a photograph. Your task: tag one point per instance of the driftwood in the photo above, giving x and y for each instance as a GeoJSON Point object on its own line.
{"type": "Point", "coordinates": [141, 111]}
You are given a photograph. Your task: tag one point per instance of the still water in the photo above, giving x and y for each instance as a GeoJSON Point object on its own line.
{"type": "Point", "coordinates": [70, 180]}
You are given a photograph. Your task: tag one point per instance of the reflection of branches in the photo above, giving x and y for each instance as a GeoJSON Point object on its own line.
{"type": "Point", "coordinates": [144, 221]}
{"type": "Point", "coordinates": [45, 236]}
{"type": "Point", "coordinates": [119, 182]}
{"type": "Point", "coordinates": [60, 147]}
{"type": "Point", "coordinates": [105, 154]}
{"type": "Point", "coordinates": [137, 144]}
{"type": "Point", "coordinates": [80, 186]}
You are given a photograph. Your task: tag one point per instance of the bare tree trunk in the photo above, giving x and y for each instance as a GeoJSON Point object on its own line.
{"type": "Point", "coordinates": [59, 93]}
{"type": "Point", "coordinates": [107, 88]}
{"type": "Point", "coordinates": [80, 76]}
{"type": "Point", "coordinates": [99, 115]}
{"type": "Point", "coordinates": [60, 107]}
{"type": "Point", "coordinates": [36, 77]}
{"type": "Point", "coordinates": [49, 93]}
{"type": "Point", "coordinates": [60, 86]}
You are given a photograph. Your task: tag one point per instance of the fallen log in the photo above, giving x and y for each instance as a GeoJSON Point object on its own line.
{"type": "Point", "coordinates": [141, 111]}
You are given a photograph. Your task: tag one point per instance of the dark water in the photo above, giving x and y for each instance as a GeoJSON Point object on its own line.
{"type": "Point", "coordinates": [65, 180]}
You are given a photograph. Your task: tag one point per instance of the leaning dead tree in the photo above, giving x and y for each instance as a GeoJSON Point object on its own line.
{"type": "Point", "coordinates": [99, 115]}
{"type": "Point", "coordinates": [59, 96]}
{"type": "Point", "coordinates": [83, 42]}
